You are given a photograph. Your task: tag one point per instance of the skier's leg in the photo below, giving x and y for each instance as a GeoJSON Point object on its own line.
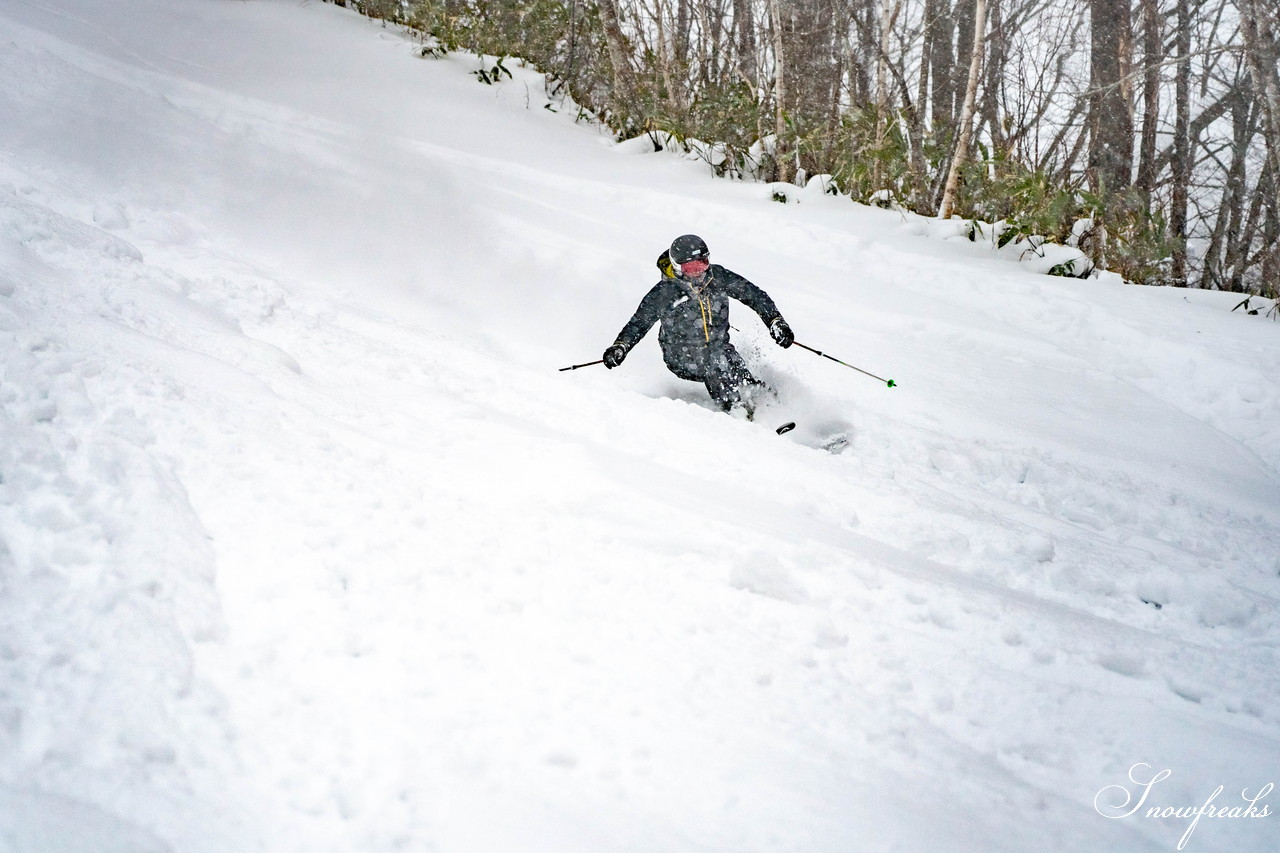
{"type": "Point", "coordinates": [726, 394]}
{"type": "Point", "coordinates": [724, 378]}
{"type": "Point", "coordinates": [721, 370]}
{"type": "Point", "coordinates": [752, 391]}
{"type": "Point", "coordinates": [694, 365]}
{"type": "Point", "coordinates": [737, 368]}
{"type": "Point", "coordinates": [684, 362]}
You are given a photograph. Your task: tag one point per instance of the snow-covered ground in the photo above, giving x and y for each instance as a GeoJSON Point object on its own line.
{"type": "Point", "coordinates": [306, 545]}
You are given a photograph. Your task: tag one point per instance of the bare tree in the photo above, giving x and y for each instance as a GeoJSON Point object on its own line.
{"type": "Point", "coordinates": [1152, 56]}
{"type": "Point", "coordinates": [813, 70]}
{"type": "Point", "coordinates": [625, 89]}
{"type": "Point", "coordinates": [745, 30]}
{"type": "Point", "coordinates": [782, 152]}
{"type": "Point", "coordinates": [1262, 53]}
{"type": "Point", "coordinates": [1227, 243]}
{"type": "Point", "coordinates": [1110, 119]}
{"type": "Point", "coordinates": [889, 10]}
{"type": "Point", "coordinates": [871, 90]}
{"type": "Point", "coordinates": [997, 53]}
{"type": "Point", "coordinates": [942, 59]}
{"type": "Point", "coordinates": [1181, 143]}
{"type": "Point", "coordinates": [947, 207]}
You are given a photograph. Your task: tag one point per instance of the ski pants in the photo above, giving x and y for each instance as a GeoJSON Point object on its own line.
{"type": "Point", "coordinates": [721, 369]}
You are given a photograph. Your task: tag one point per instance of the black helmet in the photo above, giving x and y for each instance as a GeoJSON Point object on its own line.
{"type": "Point", "coordinates": [664, 264]}
{"type": "Point", "coordinates": [689, 247]}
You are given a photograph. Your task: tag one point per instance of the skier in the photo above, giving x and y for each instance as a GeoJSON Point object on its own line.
{"type": "Point", "coordinates": [692, 303]}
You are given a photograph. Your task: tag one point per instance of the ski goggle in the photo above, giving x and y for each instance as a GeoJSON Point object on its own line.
{"type": "Point", "coordinates": [694, 268]}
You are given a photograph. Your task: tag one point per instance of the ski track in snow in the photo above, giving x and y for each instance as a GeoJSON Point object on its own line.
{"type": "Point", "coordinates": [306, 545]}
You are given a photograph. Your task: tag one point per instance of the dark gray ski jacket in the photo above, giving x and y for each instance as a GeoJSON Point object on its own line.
{"type": "Point", "coordinates": [695, 319]}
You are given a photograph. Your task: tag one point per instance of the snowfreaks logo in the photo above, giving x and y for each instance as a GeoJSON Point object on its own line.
{"type": "Point", "coordinates": [1117, 801]}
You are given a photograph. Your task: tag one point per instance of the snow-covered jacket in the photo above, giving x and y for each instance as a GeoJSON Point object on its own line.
{"type": "Point", "coordinates": [695, 317]}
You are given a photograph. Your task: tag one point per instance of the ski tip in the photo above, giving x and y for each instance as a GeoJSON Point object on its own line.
{"type": "Point", "coordinates": [787, 427]}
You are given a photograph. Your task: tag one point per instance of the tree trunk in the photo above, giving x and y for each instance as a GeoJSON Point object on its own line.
{"type": "Point", "coordinates": [682, 32]}
{"type": "Point", "coordinates": [624, 80]}
{"type": "Point", "coordinates": [746, 37]}
{"type": "Point", "coordinates": [1110, 119]}
{"type": "Point", "coordinates": [882, 92]}
{"type": "Point", "coordinates": [942, 61]}
{"type": "Point", "coordinates": [1254, 222]}
{"type": "Point", "coordinates": [781, 150]}
{"type": "Point", "coordinates": [1152, 54]}
{"type": "Point", "coordinates": [1181, 145]}
{"type": "Point", "coordinates": [1225, 245]}
{"type": "Point", "coordinates": [963, 20]}
{"type": "Point", "coordinates": [947, 207]}
{"type": "Point", "coordinates": [813, 73]}
{"type": "Point", "coordinates": [997, 50]}
{"type": "Point", "coordinates": [920, 201]}
{"type": "Point", "coordinates": [926, 54]}
{"type": "Point", "coordinates": [1262, 53]}
{"type": "Point", "coordinates": [1270, 258]}
{"type": "Point", "coordinates": [664, 56]}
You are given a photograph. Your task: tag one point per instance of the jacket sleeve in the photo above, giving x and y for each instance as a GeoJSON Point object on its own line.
{"type": "Point", "coordinates": [648, 313]}
{"type": "Point", "coordinates": [750, 295]}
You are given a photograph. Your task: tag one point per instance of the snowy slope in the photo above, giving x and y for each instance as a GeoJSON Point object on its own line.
{"type": "Point", "coordinates": [305, 544]}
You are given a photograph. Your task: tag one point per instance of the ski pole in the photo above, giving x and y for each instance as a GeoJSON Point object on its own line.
{"type": "Point", "coordinates": [576, 366]}
{"type": "Point", "coordinates": [889, 382]}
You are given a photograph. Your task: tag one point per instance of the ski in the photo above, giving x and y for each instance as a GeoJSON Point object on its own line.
{"type": "Point", "coordinates": [786, 428]}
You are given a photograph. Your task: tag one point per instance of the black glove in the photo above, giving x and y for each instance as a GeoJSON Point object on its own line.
{"type": "Point", "coordinates": [614, 355]}
{"type": "Point", "coordinates": [781, 332]}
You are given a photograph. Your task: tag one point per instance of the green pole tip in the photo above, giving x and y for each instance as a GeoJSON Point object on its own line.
{"type": "Point", "coordinates": [892, 384]}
